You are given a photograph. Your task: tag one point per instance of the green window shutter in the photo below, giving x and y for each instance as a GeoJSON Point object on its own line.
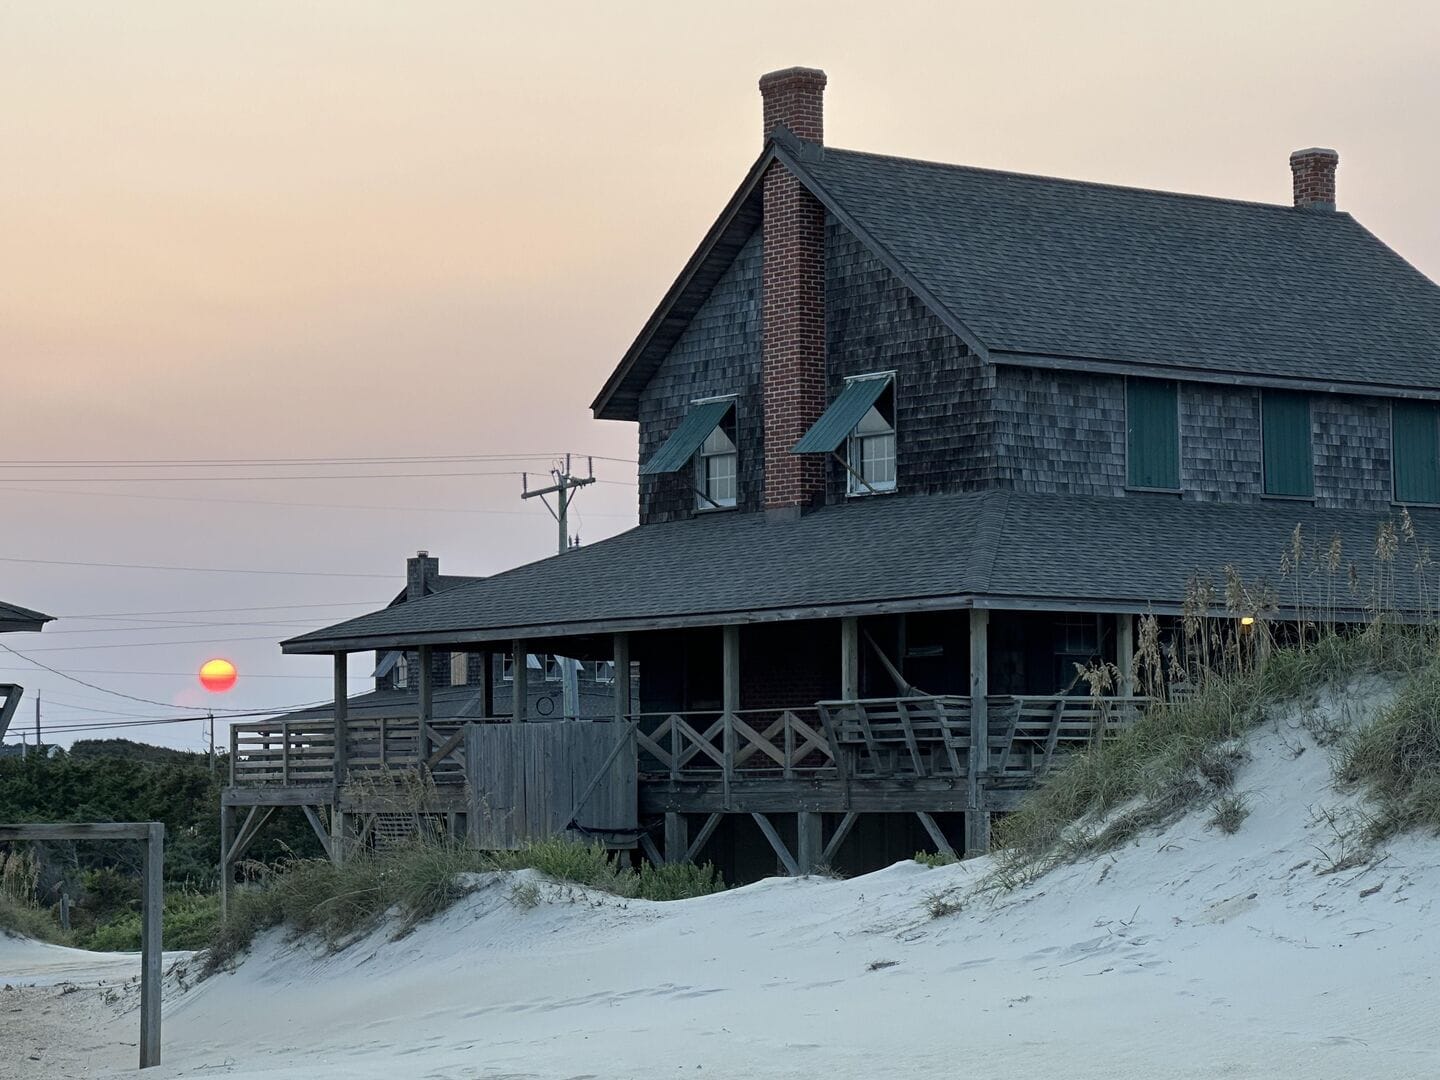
{"type": "Point", "coordinates": [1415, 440]}
{"type": "Point", "coordinates": [1289, 460]}
{"type": "Point", "coordinates": [1152, 434]}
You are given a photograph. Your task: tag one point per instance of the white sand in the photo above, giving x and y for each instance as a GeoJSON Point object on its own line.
{"type": "Point", "coordinates": [1188, 954]}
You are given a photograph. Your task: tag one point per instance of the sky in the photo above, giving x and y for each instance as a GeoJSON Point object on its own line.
{"type": "Point", "coordinates": [350, 230]}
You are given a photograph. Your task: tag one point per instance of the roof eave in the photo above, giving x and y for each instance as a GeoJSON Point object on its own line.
{"type": "Point", "coordinates": [1187, 373]}
{"type": "Point", "coordinates": [614, 404]}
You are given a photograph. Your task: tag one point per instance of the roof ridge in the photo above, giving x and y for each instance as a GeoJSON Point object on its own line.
{"type": "Point", "coordinates": [1105, 185]}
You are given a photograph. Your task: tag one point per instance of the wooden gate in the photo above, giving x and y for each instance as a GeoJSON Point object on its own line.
{"type": "Point", "coordinates": [526, 780]}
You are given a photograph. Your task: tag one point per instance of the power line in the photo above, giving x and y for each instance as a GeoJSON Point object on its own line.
{"type": "Point", "coordinates": [195, 569]}
{"type": "Point", "coordinates": [326, 676]}
{"type": "Point", "coordinates": [154, 627]}
{"type": "Point", "coordinates": [172, 463]}
{"type": "Point", "coordinates": [148, 644]}
{"type": "Point", "coordinates": [280, 502]}
{"type": "Point", "coordinates": [213, 611]}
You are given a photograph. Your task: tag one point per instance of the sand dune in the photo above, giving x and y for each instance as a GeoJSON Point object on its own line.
{"type": "Point", "coordinates": [1188, 954]}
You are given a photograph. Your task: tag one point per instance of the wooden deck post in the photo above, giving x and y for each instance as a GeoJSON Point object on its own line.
{"type": "Point", "coordinates": [621, 654]}
{"type": "Point", "coordinates": [850, 659]}
{"type": "Point", "coordinates": [520, 681]}
{"type": "Point", "coordinates": [731, 669]}
{"type": "Point", "coordinates": [341, 716]}
{"type": "Point", "coordinates": [1125, 653]}
{"type": "Point", "coordinates": [977, 817]}
{"type": "Point", "coordinates": [677, 837]}
{"type": "Point", "coordinates": [809, 841]}
{"type": "Point", "coordinates": [425, 691]}
{"type": "Point", "coordinates": [152, 912]}
{"type": "Point", "coordinates": [487, 683]}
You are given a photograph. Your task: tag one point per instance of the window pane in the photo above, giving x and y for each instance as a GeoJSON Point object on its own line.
{"type": "Point", "coordinates": [720, 478]}
{"type": "Point", "coordinates": [1285, 418]}
{"type": "Point", "coordinates": [877, 460]}
{"type": "Point", "coordinates": [459, 669]}
{"type": "Point", "coordinates": [1153, 434]}
{"type": "Point", "coordinates": [1415, 437]}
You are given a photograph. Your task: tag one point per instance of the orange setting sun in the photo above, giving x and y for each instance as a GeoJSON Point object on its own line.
{"type": "Point", "coordinates": [217, 675]}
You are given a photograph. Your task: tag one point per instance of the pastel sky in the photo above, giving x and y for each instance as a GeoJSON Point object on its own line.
{"type": "Point", "coordinates": [259, 229]}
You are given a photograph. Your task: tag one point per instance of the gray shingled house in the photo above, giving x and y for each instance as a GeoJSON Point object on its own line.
{"type": "Point", "coordinates": [915, 439]}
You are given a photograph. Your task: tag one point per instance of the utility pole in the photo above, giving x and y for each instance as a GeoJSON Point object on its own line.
{"type": "Point", "coordinates": [563, 487]}
{"type": "Point", "coordinates": [37, 721]}
{"type": "Point", "coordinates": [211, 715]}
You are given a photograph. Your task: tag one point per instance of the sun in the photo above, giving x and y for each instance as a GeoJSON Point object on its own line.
{"type": "Point", "coordinates": [217, 675]}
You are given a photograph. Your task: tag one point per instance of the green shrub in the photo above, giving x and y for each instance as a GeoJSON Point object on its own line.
{"type": "Point", "coordinates": [419, 880]}
{"type": "Point", "coordinates": [189, 922]}
{"type": "Point", "coordinates": [934, 858]}
{"type": "Point", "coordinates": [30, 922]}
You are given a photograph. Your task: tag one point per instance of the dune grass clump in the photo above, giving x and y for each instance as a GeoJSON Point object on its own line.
{"type": "Point", "coordinates": [418, 880]}
{"type": "Point", "coordinates": [1184, 752]}
{"type": "Point", "coordinates": [1396, 759]}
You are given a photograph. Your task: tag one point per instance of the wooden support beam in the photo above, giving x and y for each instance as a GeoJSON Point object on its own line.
{"type": "Point", "coordinates": [677, 840]}
{"type": "Point", "coordinates": [425, 686]}
{"type": "Point", "coordinates": [936, 835]}
{"type": "Point", "coordinates": [1125, 653]}
{"type": "Point", "coordinates": [319, 827]}
{"type": "Point", "coordinates": [849, 658]}
{"type": "Point", "coordinates": [487, 683]}
{"type": "Point", "coordinates": [730, 687]}
{"type": "Point", "coordinates": [340, 712]}
{"type": "Point", "coordinates": [647, 845]}
{"type": "Point", "coordinates": [809, 841]}
{"type": "Point", "coordinates": [698, 842]}
{"type": "Point", "coordinates": [781, 851]}
{"type": "Point", "coordinates": [341, 834]}
{"type": "Point", "coordinates": [837, 838]}
{"type": "Point", "coordinates": [977, 818]}
{"type": "Point", "coordinates": [520, 684]}
{"type": "Point", "coordinates": [621, 654]}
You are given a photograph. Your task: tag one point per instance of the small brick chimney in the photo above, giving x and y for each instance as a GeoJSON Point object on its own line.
{"type": "Point", "coordinates": [792, 298]}
{"type": "Point", "coordinates": [422, 575]}
{"type": "Point", "coordinates": [1314, 173]}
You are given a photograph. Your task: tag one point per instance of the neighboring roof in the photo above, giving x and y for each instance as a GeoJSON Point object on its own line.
{"type": "Point", "coordinates": [892, 553]}
{"type": "Point", "coordinates": [442, 583]}
{"type": "Point", "coordinates": [14, 619]}
{"type": "Point", "coordinates": [1042, 271]}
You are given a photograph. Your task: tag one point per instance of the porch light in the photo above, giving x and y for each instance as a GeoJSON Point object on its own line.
{"type": "Point", "coordinates": [1247, 620]}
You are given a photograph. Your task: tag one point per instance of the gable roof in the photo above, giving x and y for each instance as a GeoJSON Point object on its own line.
{"type": "Point", "coordinates": [1041, 271]}
{"type": "Point", "coordinates": [14, 618]}
{"type": "Point", "coordinates": [1000, 549]}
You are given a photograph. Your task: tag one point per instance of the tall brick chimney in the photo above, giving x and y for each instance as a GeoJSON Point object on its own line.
{"type": "Point", "coordinates": [792, 305]}
{"type": "Point", "coordinates": [1314, 174]}
{"type": "Point", "coordinates": [422, 575]}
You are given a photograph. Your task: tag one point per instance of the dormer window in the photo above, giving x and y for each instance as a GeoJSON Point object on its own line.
{"type": "Point", "coordinates": [872, 446]}
{"type": "Point", "coordinates": [716, 465]}
{"type": "Point", "coordinates": [705, 442]}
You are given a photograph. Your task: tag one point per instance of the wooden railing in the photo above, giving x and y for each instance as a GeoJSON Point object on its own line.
{"type": "Point", "coordinates": [301, 753]}
{"type": "Point", "coordinates": [880, 737]}
{"type": "Point", "coordinates": [745, 744]}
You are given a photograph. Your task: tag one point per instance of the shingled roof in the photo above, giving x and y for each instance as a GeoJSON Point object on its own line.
{"type": "Point", "coordinates": [995, 549]}
{"type": "Point", "coordinates": [1043, 271]}
{"type": "Point", "coordinates": [14, 619]}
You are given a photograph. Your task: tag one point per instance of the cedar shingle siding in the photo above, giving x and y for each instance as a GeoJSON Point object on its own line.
{"type": "Point", "coordinates": [719, 353]}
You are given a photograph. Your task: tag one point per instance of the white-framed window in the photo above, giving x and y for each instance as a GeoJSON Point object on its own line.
{"type": "Point", "coordinates": [871, 452]}
{"type": "Point", "coordinates": [507, 667]}
{"type": "Point", "coordinates": [402, 672]}
{"type": "Point", "coordinates": [716, 466]}
{"type": "Point", "coordinates": [605, 671]}
{"type": "Point", "coordinates": [459, 668]}
{"type": "Point", "coordinates": [554, 668]}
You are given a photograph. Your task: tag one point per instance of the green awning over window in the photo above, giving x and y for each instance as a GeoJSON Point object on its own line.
{"type": "Point", "coordinates": [693, 430]}
{"type": "Point", "coordinates": [841, 417]}
{"type": "Point", "coordinates": [1416, 440]}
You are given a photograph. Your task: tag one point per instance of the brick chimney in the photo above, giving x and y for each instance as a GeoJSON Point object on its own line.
{"type": "Point", "coordinates": [1314, 173]}
{"type": "Point", "coordinates": [792, 305]}
{"type": "Point", "coordinates": [422, 575]}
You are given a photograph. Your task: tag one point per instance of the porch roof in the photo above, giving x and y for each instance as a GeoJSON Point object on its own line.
{"type": "Point", "coordinates": [13, 617]}
{"type": "Point", "coordinates": [995, 549]}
